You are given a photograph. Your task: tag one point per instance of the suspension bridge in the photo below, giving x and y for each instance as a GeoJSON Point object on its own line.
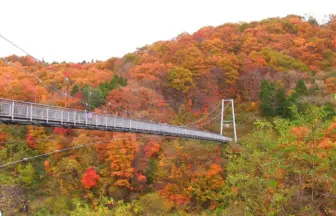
{"type": "Point", "coordinates": [26, 113]}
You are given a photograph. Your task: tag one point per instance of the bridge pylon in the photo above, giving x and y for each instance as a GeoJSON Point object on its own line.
{"type": "Point", "coordinates": [233, 121]}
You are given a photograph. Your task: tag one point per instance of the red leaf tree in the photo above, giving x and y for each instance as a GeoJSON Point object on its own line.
{"type": "Point", "coordinates": [30, 141]}
{"type": "Point", "coordinates": [90, 178]}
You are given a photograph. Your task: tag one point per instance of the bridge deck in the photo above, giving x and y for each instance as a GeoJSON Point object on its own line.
{"type": "Point", "coordinates": [18, 112]}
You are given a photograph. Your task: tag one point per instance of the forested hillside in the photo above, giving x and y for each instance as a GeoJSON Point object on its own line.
{"type": "Point", "coordinates": [281, 73]}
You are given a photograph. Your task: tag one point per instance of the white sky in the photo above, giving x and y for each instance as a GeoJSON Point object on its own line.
{"type": "Point", "coordinates": [76, 30]}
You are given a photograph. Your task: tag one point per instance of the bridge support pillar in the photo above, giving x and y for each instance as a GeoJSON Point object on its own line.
{"type": "Point", "coordinates": [233, 121]}
{"type": "Point", "coordinates": [12, 110]}
{"type": "Point", "coordinates": [222, 118]}
{"type": "Point", "coordinates": [47, 114]}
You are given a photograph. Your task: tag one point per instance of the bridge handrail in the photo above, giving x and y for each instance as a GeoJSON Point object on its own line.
{"type": "Point", "coordinates": [64, 108]}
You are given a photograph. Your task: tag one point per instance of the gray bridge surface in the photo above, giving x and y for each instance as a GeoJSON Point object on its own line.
{"type": "Point", "coordinates": [18, 112]}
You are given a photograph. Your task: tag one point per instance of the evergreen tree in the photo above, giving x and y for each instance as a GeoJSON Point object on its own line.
{"type": "Point", "coordinates": [290, 102]}
{"type": "Point", "coordinates": [301, 88]}
{"type": "Point", "coordinates": [74, 90]}
{"type": "Point", "coordinates": [93, 96]}
{"type": "Point", "coordinates": [267, 98]}
{"type": "Point", "coordinates": [123, 81]}
{"type": "Point", "coordinates": [113, 82]}
{"type": "Point", "coordinates": [281, 103]}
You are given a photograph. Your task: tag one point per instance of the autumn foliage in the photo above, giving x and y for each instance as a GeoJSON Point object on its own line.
{"type": "Point", "coordinates": [30, 141]}
{"type": "Point", "coordinates": [90, 178]}
{"type": "Point", "coordinates": [300, 132]}
{"type": "Point", "coordinates": [280, 71]}
{"type": "Point", "coordinates": [61, 130]}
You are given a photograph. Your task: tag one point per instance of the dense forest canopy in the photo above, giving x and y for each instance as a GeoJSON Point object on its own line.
{"type": "Point", "coordinates": [281, 73]}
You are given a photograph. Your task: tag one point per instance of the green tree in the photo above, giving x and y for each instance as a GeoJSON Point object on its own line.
{"type": "Point", "coordinates": [289, 103]}
{"type": "Point", "coordinates": [301, 88]}
{"type": "Point", "coordinates": [74, 90]}
{"type": "Point", "coordinates": [267, 98]}
{"type": "Point", "coordinates": [59, 205]}
{"type": "Point", "coordinates": [83, 209]}
{"type": "Point", "coordinates": [300, 91]}
{"type": "Point", "coordinates": [116, 82]}
{"type": "Point", "coordinates": [126, 209]}
{"type": "Point", "coordinates": [312, 20]}
{"type": "Point", "coordinates": [281, 103]}
{"type": "Point", "coordinates": [27, 174]}
{"type": "Point", "coordinates": [329, 110]}
{"type": "Point", "coordinates": [93, 96]}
